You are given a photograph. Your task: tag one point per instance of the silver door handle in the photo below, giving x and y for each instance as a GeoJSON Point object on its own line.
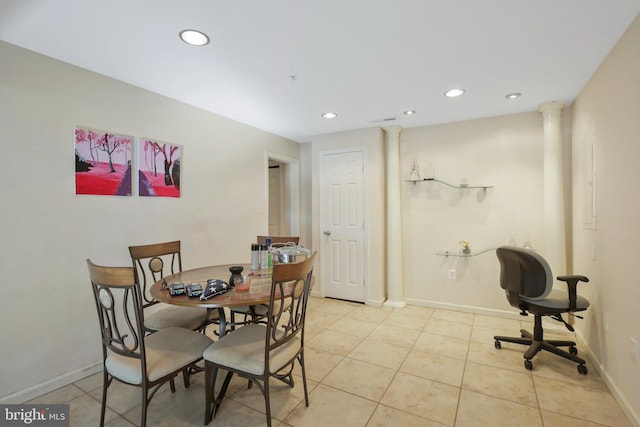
{"type": "Point", "coordinates": [326, 233]}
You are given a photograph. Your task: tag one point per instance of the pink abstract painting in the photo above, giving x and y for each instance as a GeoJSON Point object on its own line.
{"type": "Point", "coordinates": [103, 162]}
{"type": "Point", "coordinates": [159, 169]}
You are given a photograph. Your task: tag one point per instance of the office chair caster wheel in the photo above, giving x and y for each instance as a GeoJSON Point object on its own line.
{"type": "Point", "coordinates": [583, 369]}
{"type": "Point", "coordinates": [573, 350]}
{"type": "Point", "coordinates": [498, 344]}
{"type": "Point", "coordinates": [528, 364]}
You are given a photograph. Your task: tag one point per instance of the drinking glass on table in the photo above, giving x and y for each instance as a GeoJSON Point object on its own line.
{"type": "Point", "coordinates": [242, 284]}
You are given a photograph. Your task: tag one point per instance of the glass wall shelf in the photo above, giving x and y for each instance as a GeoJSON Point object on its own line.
{"type": "Point", "coordinates": [461, 186]}
{"type": "Point", "coordinates": [463, 255]}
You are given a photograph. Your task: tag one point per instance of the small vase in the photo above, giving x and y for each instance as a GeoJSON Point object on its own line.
{"type": "Point", "coordinates": [235, 273]}
{"type": "Point", "coordinates": [466, 251]}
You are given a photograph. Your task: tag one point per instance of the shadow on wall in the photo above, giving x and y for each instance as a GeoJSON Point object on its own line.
{"type": "Point", "coordinates": [443, 202]}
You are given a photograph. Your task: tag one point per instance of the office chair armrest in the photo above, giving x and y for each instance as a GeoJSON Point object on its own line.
{"type": "Point", "coordinates": [572, 285]}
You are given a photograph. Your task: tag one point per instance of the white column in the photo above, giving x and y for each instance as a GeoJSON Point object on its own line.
{"type": "Point", "coordinates": [395, 276]}
{"type": "Point", "coordinates": [554, 216]}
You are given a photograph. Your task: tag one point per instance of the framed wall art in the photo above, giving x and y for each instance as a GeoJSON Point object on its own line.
{"type": "Point", "coordinates": [158, 168]}
{"type": "Point", "coordinates": [103, 162]}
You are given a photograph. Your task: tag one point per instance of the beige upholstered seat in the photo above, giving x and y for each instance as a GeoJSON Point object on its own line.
{"type": "Point", "coordinates": [260, 351]}
{"type": "Point", "coordinates": [128, 355]}
{"type": "Point", "coordinates": [152, 263]}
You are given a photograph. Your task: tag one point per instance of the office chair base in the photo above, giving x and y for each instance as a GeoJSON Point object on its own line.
{"type": "Point", "coordinates": [536, 345]}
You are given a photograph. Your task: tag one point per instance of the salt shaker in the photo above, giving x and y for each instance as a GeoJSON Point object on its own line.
{"type": "Point", "coordinates": [255, 256]}
{"type": "Point", "coordinates": [264, 251]}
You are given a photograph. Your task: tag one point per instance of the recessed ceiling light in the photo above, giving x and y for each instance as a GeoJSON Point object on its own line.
{"type": "Point", "coordinates": [329, 115]}
{"type": "Point", "coordinates": [410, 112]}
{"type": "Point", "coordinates": [452, 93]}
{"type": "Point", "coordinates": [513, 95]}
{"type": "Point", "coordinates": [194, 37]}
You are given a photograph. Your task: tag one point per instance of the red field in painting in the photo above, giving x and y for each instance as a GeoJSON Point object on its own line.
{"type": "Point", "coordinates": [162, 190]}
{"type": "Point", "coordinates": [99, 180]}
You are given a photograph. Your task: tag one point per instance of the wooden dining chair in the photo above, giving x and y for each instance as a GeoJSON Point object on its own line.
{"type": "Point", "coordinates": [154, 262]}
{"type": "Point", "coordinates": [278, 239]}
{"type": "Point", "coordinates": [258, 352]}
{"type": "Point", "coordinates": [253, 313]}
{"type": "Point", "coordinates": [129, 355]}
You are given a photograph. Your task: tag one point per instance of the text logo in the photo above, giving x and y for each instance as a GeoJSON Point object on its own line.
{"type": "Point", "coordinates": [34, 415]}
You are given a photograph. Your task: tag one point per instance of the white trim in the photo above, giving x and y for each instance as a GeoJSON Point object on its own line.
{"type": "Point", "coordinates": [395, 305]}
{"type": "Point", "coordinates": [374, 303]}
{"type": "Point", "coordinates": [626, 407]}
{"type": "Point", "coordinates": [470, 309]}
{"type": "Point", "coordinates": [48, 386]}
{"type": "Point", "coordinates": [294, 188]}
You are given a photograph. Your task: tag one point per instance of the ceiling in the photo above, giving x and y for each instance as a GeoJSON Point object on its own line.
{"type": "Point", "coordinates": [278, 65]}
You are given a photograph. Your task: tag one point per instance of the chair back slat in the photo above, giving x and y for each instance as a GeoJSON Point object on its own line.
{"type": "Point", "coordinates": [152, 263]}
{"type": "Point", "coordinates": [287, 314]}
{"type": "Point", "coordinates": [119, 305]}
{"type": "Point", "coordinates": [278, 239]}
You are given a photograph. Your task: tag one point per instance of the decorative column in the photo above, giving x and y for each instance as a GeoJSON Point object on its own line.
{"type": "Point", "coordinates": [395, 276]}
{"type": "Point", "coordinates": [554, 217]}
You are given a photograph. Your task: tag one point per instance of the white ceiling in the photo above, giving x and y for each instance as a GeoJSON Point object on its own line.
{"type": "Point", "coordinates": [366, 60]}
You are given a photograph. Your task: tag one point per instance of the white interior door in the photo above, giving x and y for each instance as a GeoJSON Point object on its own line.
{"type": "Point", "coordinates": [342, 225]}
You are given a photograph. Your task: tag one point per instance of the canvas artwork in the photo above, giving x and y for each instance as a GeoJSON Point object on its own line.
{"type": "Point", "coordinates": [159, 169]}
{"type": "Point", "coordinates": [103, 162]}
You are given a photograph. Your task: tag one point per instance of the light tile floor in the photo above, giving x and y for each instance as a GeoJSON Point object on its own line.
{"type": "Point", "coordinates": [378, 368]}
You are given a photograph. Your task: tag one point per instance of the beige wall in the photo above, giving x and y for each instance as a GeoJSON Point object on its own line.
{"type": "Point", "coordinates": [504, 152]}
{"type": "Point", "coordinates": [49, 325]}
{"type": "Point", "coordinates": [607, 111]}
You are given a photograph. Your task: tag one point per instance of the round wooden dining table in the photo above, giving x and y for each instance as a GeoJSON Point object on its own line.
{"type": "Point", "coordinates": [259, 289]}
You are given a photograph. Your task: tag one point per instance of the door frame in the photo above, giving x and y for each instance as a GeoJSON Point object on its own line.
{"type": "Point", "coordinates": [365, 220]}
{"type": "Point", "coordinates": [291, 184]}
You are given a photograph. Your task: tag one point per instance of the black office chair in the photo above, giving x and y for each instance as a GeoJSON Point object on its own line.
{"type": "Point", "coordinates": [526, 278]}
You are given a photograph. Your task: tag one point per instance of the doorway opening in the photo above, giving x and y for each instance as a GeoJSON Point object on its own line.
{"type": "Point", "coordinates": [283, 195]}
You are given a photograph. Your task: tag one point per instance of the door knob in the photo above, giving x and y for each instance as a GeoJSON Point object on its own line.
{"type": "Point", "coordinates": [326, 233]}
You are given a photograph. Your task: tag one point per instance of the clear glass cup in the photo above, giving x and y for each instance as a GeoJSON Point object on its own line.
{"type": "Point", "coordinates": [242, 284]}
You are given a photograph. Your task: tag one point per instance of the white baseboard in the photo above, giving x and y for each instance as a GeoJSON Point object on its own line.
{"type": "Point", "coordinates": [622, 401]}
{"type": "Point", "coordinates": [38, 390]}
{"type": "Point", "coordinates": [470, 309]}
{"type": "Point", "coordinates": [374, 302]}
{"type": "Point", "coordinates": [396, 305]}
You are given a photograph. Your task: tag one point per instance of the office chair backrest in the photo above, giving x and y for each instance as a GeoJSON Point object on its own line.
{"type": "Point", "coordinates": [523, 273]}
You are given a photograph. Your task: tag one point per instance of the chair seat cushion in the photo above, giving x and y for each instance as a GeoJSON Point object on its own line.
{"type": "Point", "coordinates": [557, 300]}
{"type": "Point", "coordinates": [168, 350]}
{"type": "Point", "coordinates": [173, 315]}
{"type": "Point", "coordinates": [243, 349]}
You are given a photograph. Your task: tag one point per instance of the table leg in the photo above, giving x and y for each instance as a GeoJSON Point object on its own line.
{"type": "Point", "coordinates": [223, 322]}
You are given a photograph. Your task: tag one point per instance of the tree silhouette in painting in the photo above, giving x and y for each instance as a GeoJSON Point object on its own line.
{"type": "Point", "coordinates": [82, 165]}
{"type": "Point", "coordinates": [90, 137]}
{"type": "Point", "coordinates": [111, 176]}
{"type": "Point", "coordinates": [158, 158]}
{"type": "Point", "coordinates": [110, 144]}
